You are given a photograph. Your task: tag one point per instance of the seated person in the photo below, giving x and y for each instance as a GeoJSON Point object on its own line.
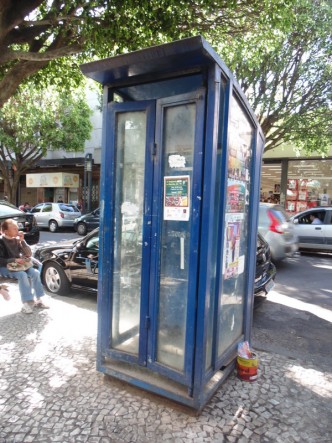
{"type": "Point", "coordinates": [14, 249]}
{"type": "Point", "coordinates": [315, 220]}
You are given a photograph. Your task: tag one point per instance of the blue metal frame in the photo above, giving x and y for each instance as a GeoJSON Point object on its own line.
{"type": "Point", "coordinates": [198, 98]}
{"type": "Point", "coordinates": [107, 231]}
{"type": "Point", "coordinates": [255, 174]}
{"type": "Point", "coordinates": [210, 161]}
{"type": "Point", "coordinates": [185, 59]}
{"type": "Point", "coordinates": [216, 362]}
{"type": "Point", "coordinates": [229, 354]}
{"type": "Point", "coordinates": [105, 235]}
{"type": "Point", "coordinates": [152, 220]}
{"type": "Point", "coordinates": [255, 185]}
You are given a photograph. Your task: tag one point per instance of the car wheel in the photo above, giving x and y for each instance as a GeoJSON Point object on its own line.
{"type": "Point", "coordinates": [81, 229]}
{"type": "Point", "coordinates": [53, 226]}
{"type": "Point", "coordinates": [55, 279]}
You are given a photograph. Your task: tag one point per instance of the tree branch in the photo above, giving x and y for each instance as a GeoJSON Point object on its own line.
{"type": "Point", "coordinates": [15, 76]}
{"type": "Point", "coordinates": [41, 56]}
{"type": "Point", "coordinates": [13, 13]}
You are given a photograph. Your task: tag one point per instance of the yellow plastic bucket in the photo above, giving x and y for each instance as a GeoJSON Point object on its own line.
{"type": "Point", "coordinates": [248, 362]}
{"type": "Point", "coordinates": [247, 368]}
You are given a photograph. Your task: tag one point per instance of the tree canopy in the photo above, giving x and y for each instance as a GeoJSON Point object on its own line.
{"type": "Point", "coordinates": [280, 50]}
{"type": "Point", "coordinates": [288, 78]}
{"type": "Point", "coordinates": [47, 39]}
{"type": "Point", "coordinates": [32, 123]}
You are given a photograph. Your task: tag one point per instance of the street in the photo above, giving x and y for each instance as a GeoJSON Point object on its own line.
{"type": "Point", "coordinates": [296, 318]}
{"type": "Point", "coordinates": [51, 391]}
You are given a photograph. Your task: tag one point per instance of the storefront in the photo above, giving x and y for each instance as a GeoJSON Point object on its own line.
{"type": "Point", "coordinates": [55, 186]}
{"type": "Point", "coordinates": [298, 183]}
{"type": "Point", "coordinates": [67, 179]}
{"type": "Point", "coordinates": [309, 184]}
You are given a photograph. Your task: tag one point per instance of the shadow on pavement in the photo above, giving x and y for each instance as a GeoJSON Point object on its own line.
{"type": "Point", "coordinates": [51, 391]}
{"type": "Point", "coordinates": [291, 332]}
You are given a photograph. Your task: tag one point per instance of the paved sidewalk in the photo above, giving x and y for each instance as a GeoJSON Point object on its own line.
{"type": "Point", "coordinates": [51, 392]}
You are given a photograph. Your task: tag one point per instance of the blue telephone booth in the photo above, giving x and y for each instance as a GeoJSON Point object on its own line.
{"type": "Point", "coordinates": [180, 180]}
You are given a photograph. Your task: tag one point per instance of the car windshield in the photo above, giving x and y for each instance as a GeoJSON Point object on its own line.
{"type": "Point", "coordinates": [68, 208]}
{"type": "Point", "coordinates": [93, 243]}
{"type": "Point", "coordinates": [8, 209]}
{"type": "Point", "coordinates": [280, 212]}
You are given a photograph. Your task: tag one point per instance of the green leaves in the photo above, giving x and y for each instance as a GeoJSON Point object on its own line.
{"type": "Point", "coordinates": [34, 121]}
{"type": "Point", "coordinates": [48, 42]}
{"type": "Point", "coordinates": [286, 75]}
{"type": "Point", "coordinates": [279, 50]}
{"type": "Point", "coordinates": [39, 121]}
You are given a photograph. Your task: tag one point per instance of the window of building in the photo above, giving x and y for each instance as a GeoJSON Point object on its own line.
{"type": "Point", "coordinates": [271, 183]}
{"type": "Point", "coordinates": [309, 184]}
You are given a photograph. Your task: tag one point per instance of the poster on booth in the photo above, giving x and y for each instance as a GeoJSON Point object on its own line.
{"type": "Point", "coordinates": [177, 197]}
{"type": "Point", "coordinates": [233, 261]}
{"type": "Point", "coordinates": [236, 196]}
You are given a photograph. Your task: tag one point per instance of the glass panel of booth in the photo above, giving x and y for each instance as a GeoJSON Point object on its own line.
{"type": "Point", "coordinates": [178, 148]}
{"type": "Point", "coordinates": [129, 192]}
{"type": "Point", "coordinates": [231, 297]}
{"type": "Point", "coordinates": [216, 224]}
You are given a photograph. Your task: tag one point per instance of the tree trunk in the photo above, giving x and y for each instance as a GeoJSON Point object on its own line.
{"type": "Point", "coordinates": [11, 181]}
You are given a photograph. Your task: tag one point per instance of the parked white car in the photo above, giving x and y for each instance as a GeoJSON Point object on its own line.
{"type": "Point", "coordinates": [55, 215]}
{"type": "Point", "coordinates": [314, 228]}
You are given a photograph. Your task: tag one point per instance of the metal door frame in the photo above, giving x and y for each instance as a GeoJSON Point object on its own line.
{"type": "Point", "coordinates": [153, 215]}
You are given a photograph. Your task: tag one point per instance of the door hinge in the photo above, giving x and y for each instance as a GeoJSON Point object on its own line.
{"type": "Point", "coordinates": [154, 148]}
{"type": "Point", "coordinates": [147, 322]}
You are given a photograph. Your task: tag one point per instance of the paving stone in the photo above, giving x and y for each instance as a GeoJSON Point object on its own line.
{"type": "Point", "coordinates": [51, 392]}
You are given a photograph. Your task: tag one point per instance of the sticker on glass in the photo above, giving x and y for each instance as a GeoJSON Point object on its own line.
{"type": "Point", "coordinates": [176, 161]}
{"type": "Point", "coordinates": [176, 197]}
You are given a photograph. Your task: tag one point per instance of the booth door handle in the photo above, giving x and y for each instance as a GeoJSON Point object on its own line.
{"type": "Point", "coordinates": [181, 252]}
{"type": "Point", "coordinates": [154, 149]}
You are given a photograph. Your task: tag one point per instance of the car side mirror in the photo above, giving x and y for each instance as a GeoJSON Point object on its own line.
{"type": "Point", "coordinates": [296, 221]}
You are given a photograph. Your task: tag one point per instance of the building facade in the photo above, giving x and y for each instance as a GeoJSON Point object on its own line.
{"type": "Point", "coordinates": [297, 182]}
{"type": "Point", "coordinates": [72, 177]}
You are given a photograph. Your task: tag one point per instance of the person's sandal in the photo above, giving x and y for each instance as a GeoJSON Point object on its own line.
{"type": "Point", "coordinates": [41, 305]}
{"type": "Point", "coordinates": [26, 309]}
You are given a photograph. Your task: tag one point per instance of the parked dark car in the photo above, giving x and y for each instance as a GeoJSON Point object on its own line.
{"type": "Point", "coordinates": [265, 270]}
{"type": "Point", "coordinates": [26, 222]}
{"type": "Point", "coordinates": [87, 222]}
{"type": "Point", "coordinates": [74, 263]}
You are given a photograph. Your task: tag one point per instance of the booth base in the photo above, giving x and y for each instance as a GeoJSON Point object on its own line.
{"type": "Point", "coordinates": [147, 380]}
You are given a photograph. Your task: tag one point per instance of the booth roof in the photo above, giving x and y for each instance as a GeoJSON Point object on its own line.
{"type": "Point", "coordinates": [191, 53]}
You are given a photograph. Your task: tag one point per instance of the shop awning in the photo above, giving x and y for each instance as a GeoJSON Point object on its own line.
{"type": "Point", "coordinates": [52, 180]}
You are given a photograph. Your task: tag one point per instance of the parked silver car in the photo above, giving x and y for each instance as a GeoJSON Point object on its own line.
{"type": "Point", "coordinates": [314, 228]}
{"type": "Point", "coordinates": [277, 229]}
{"type": "Point", "coordinates": [55, 215]}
